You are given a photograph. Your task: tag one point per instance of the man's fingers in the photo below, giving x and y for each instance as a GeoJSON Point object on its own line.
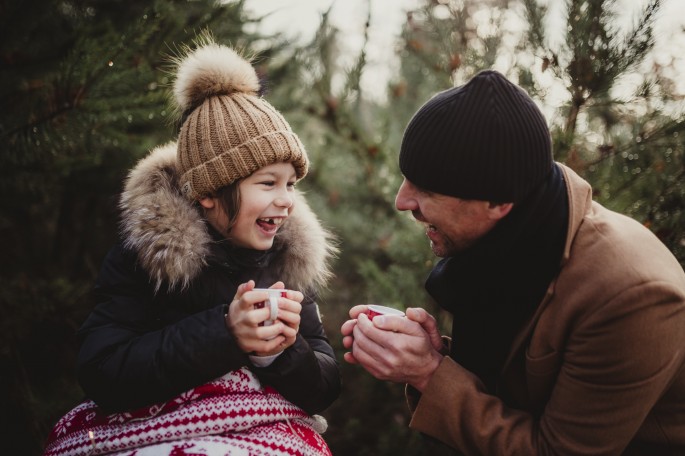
{"type": "Point", "coordinates": [358, 309]}
{"type": "Point", "coordinates": [394, 323]}
{"type": "Point", "coordinates": [349, 357]}
{"type": "Point", "coordinates": [378, 335]}
{"type": "Point", "coordinates": [370, 339]}
{"type": "Point", "coordinates": [347, 327]}
{"type": "Point", "coordinates": [428, 323]}
{"type": "Point", "coordinates": [371, 356]}
{"type": "Point", "coordinates": [404, 325]}
{"type": "Point", "coordinates": [347, 342]}
{"type": "Point", "coordinates": [419, 315]}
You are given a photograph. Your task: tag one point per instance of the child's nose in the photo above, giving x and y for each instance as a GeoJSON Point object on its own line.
{"type": "Point", "coordinates": [284, 200]}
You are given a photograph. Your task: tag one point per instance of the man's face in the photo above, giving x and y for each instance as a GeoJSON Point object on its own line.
{"type": "Point", "coordinates": [452, 224]}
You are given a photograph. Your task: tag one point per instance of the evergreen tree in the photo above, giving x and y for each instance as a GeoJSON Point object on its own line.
{"type": "Point", "coordinates": [630, 146]}
{"type": "Point", "coordinates": [83, 99]}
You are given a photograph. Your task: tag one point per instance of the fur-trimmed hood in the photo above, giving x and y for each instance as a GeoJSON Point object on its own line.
{"type": "Point", "coordinates": [171, 238]}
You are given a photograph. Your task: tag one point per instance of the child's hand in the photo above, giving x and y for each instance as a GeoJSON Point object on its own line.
{"type": "Point", "coordinates": [289, 309]}
{"type": "Point", "coordinates": [243, 320]}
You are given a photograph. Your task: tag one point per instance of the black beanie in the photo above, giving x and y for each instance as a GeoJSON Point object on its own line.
{"type": "Point", "coordinates": [485, 140]}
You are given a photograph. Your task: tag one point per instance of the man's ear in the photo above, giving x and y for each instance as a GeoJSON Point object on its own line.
{"type": "Point", "coordinates": [207, 202]}
{"type": "Point", "coordinates": [498, 211]}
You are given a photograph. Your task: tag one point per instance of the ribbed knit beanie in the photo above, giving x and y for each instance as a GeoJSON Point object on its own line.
{"type": "Point", "coordinates": [485, 140]}
{"type": "Point", "coordinates": [228, 130]}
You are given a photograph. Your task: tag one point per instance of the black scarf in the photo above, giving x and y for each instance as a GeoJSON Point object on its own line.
{"type": "Point", "coordinates": [494, 287]}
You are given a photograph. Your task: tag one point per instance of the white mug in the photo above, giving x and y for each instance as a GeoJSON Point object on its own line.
{"type": "Point", "coordinates": [375, 309]}
{"type": "Point", "coordinates": [272, 302]}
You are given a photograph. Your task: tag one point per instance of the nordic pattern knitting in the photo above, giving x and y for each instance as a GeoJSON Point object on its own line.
{"type": "Point", "coordinates": [232, 415]}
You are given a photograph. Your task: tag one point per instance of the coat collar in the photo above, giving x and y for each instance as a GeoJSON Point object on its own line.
{"type": "Point", "coordinates": [172, 242]}
{"type": "Point", "coordinates": [579, 202]}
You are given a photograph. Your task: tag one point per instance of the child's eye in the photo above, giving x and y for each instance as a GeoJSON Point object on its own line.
{"type": "Point", "coordinates": [291, 185]}
{"type": "Point", "coordinates": [268, 183]}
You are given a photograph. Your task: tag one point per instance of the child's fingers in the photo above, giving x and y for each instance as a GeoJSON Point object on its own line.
{"type": "Point", "coordinates": [295, 295]}
{"type": "Point", "coordinates": [243, 288]}
{"type": "Point", "coordinates": [290, 294]}
{"type": "Point", "coordinates": [289, 305]}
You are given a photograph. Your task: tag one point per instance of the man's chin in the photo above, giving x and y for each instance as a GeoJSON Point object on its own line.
{"type": "Point", "coordinates": [443, 250]}
{"type": "Point", "coordinates": [438, 250]}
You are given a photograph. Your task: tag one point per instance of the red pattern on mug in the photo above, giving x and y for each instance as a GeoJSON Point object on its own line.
{"type": "Point", "coordinates": [374, 310]}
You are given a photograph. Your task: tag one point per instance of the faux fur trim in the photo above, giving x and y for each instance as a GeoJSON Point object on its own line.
{"type": "Point", "coordinates": [172, 242]}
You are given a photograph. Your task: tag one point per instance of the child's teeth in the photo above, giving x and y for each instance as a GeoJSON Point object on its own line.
{"type": "Point", "coordinates": [271, 221]}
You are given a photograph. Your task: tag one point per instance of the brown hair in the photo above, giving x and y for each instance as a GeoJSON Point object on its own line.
{"type": "Point", "coordinates": [229, 200]}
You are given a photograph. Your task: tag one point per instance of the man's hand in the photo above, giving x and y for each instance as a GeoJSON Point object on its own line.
{"type": "Point", "coordinates": [394, 348]}
{"type": "Point", "coordinates": [428, 323]}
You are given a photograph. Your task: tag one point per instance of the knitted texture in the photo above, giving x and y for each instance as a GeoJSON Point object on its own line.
{"type": "Point", "coordinates": [233, 415]}
{"type": "Point", "coordinates": [485, 140]}
{"type": "Point", "coordinates": [228, 130]}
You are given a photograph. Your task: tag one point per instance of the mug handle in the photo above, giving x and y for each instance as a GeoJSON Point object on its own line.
{"type": "Point", "coordinates": [273, 308]}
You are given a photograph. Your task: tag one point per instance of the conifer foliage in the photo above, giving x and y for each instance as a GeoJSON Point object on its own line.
{"type": "Point", "coordinates": [628, 145]}
{"type": "Point", "coordinates": [83, 98]}
{"type": "Point", "coordinates": [623, 127]}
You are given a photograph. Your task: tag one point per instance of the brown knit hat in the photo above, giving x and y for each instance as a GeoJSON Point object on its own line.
{"type": "Point", "coordinates": [228, 130]}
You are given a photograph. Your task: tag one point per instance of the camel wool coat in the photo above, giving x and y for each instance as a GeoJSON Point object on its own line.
{"type": "Point", "coordinates": [600, 367]}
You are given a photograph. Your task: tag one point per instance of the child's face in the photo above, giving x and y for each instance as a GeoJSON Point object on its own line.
{"type": "Point", "coordinates": [266, 199]}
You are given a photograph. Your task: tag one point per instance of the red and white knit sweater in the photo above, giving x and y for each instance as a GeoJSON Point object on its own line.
{"type": "Point", "coordinates": [233, 415]}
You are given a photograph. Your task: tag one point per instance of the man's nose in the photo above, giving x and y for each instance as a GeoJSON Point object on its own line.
{"type": "Point", "coordinates": [404, 200]}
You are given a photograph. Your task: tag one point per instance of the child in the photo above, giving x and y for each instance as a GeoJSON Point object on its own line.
{"type": "Point", "coordinates": [175, 353]}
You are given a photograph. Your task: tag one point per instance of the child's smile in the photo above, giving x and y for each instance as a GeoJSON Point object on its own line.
{"type": "Point", "coordinates": [266, 199]}
{"type": "Point", "coordinates": [270, 225]}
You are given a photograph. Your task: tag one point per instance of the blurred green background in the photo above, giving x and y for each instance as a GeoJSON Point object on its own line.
{"type": "Point", "coordinates": [84, 89]}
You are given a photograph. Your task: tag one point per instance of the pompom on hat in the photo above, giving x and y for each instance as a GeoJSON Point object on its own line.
{"type": "Point", "coordinates": [228, 130]}
{"type": "Point", "coordinates": [485, 140]}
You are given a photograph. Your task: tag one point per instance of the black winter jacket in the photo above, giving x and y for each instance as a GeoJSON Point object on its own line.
{"type": "Point", "coordinates": [158, 328]}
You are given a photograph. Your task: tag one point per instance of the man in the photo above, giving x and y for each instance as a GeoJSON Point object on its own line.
{"type": "Point", "coordinates": [568, 332]}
